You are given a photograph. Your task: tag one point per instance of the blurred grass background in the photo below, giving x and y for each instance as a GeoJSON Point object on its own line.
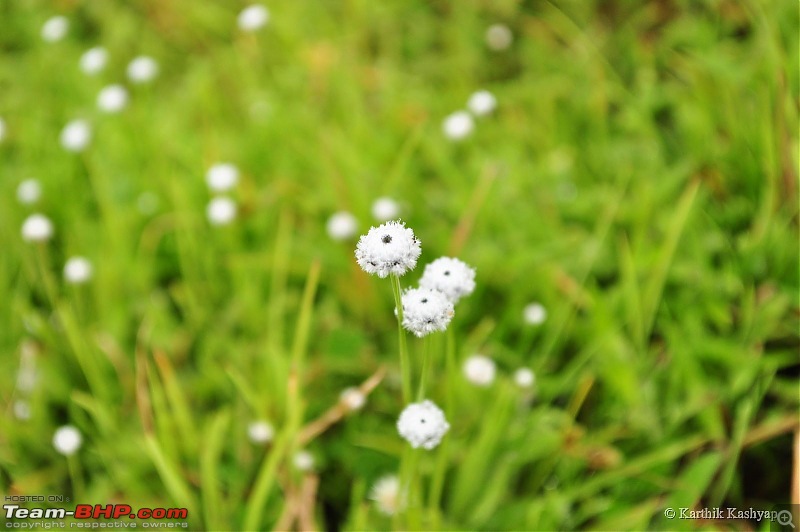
{"type": "Point", "coordinates": [639, 178]}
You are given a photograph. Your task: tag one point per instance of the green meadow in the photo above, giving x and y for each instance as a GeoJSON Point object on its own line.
{"type": "Point", "coordinates": [638, 179]}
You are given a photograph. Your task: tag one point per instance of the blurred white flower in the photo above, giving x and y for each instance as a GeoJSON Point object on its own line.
{"type": "Point", "coordinates": [353, 398]}
{"type": "Point", "coordinates": [77, 270]}
{"type": "Point", "coordinates": [524, 377]}
{"type": "Point", "coordinates": [29, 191]}
{"type": "Point", "coordinates": [112, 99]}
{"type": "Point", "coordinates": [386, 494]}
{"type": "Point", "coordinates": [76, 135]}
{"type": "Point", "coordinates": [534, 314]}
{"type": "Point", "coordinates": [425, 311]}
{"type": "Point", "coordinates": [253, 17]}
{"type": "Point", "coordinates": [2, 129]}
{"type": "Point", "coordinates": [342, 225]}
{"type": "Point", "coordinates": [479, 370]}
{"type": "Point", "coordinates": [458, 125]}
{"type": "Point", "coordinates": [94, 60]}
{"type": "Point", "coordinates": [142, 69]}
{"type": "Point", "coordinates": [482, 103]}
{"type": "Point", "coordinates": [221, 211]}
{"type": "Point", "coordinates": [55, 28]}
{"type": "Point", "coordinates": [452, 277]}
{"type": "Point", "coordinates": [67, 440]}
{"type": "Point", "coordinates": [384, 209]}
{"type": "Point", "coordinates": [498, 37]}
{"type": "Point", "coordinates": [260, 432]}
{"type": "Point", "coordinates": [303, 461]}
{"type": "Point", "coordinates": [422, 425]}
{"type": "Point", "coordinates": [22, 410]}
{"type": "Point", "coordinates": [388, 248]}
{"type": "Point", "coordinates": [222, 177]}
{"type": "Point", "coordinates": [37, 228]}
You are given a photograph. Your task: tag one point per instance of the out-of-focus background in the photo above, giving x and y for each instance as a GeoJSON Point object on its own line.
{"type": "Point", "coordinates": [627, 192]}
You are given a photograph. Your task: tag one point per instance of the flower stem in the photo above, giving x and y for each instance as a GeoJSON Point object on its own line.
{"type": "Point", "coordinates": [426, 363]}
{"type": "Point", "coordinates": [437, 481]}
{"type": "Point", "coordinates": [405, 369]}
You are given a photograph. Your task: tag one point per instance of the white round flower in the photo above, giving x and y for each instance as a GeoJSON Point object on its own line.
{"type": "Point", "coordinates": [76, 135]}
{"type": "Point", "coordinates": [303, 461]}
{"type": "Point", "coordinates": [388, 248]}
{"type": "Point", "coordinates": [22, 410]}
{"type": "Point", "coordinates": [458, 125]}
{"type": "Point", "coordinates": [77, 270]}
{"type": "Point", "coordinates": [353, 398]}
{"type": "Point", "coordinates": [386, 494]}
{"type": "Point", "coordinates": [422, 425]}
{"type": "Point", "coordinates": [222, 177]}
{"type": "Point", "coordinates": [29, 191]}
{"type": "Point", "coordinates": [482, 103]}
{"type": "Point", "coordinates": [342, 225]}
{"type": "Point", "coordinates": [524, 377]}
{"type": "Point", "coordinates": [94, 60]}
{"type": "Point", "coordinates": [452, 277]}
{"type": "Point", "coordinates": [534, 314]}
{"type": "Point", "coordinates": [2, 129]}
{"type": "Point", "coordinates": [37, 228]}
{"type": "Point", "coordinates": [384, 209]}
{"type": "Point", "coordinates": [55, 28]}
{"type": "Point", "coordinates": [142, 69]}
{"type": "Point", "coordinates": [67, 440]}
{"type": "Point", "coordinates": [112, 99]}
{"type": "Point", "coordinates": [425, 311]}
{"type": "Point", "coordinates": [260, 432]}
{"type": "Point", "coordinates": [498, 37]}
{"type": "Point", "coordinates": [479, 370]}
{"type": "Point", "coordinates": [253, 17]}
{"type": "Point", "coordinates": [221, 211]}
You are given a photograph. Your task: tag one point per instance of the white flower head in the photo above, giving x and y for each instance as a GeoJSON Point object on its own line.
{"type": "Point", "coordinates": [458, 125]}
{"type": "Point", "coordinates": [2, 129]}
{"type": "Point", "coordinates": [22, 410]}
{"type": "Point", "coordinates": [221, 211]}
{"type": "Point", "coordinates": [342, 225]}
{"type": "Point", "coordinates": [37, 228]}
{"type": "Point", "coordinates": [386, 494]}
{"type": "Point", "coordinates": [94, 60]}
{"type": "Point", "coordinates": [384, 209]}
{"type": "Point", "coordinates": [353, 399]}
{"type": "Point", "coordinates": [422, 425]}
{"type": "Point", "coordinates": [67, 440]}
{"type": "Point", "coordinates": [388, 248]}
{"type": "Point", "coordinates": [29, 191]}
{"type": "Point", "coordinates": [482, 103]}
{"type": "Point", "coordinates": [222, 177]}
{"type": "Point", "coordinates": [253, 17]}
{"type": "Point", "coordinates": [76, 135]}
{"type": "Point", "coordinates": [55, 28]}
{"type": "Point", "coordinates": [260, 432]}
{"type": "Point", "coordinates": [303, 461]}
{"type": "Point", "coordinates": [524, 377]}
{"type": "Point", "coordinates": [499, 37]}
{"type": "Point", "coordinates": [452, 277]}
{"type": "Point", "coordinates": [426, 311]}
{"type": "Point", "coordinates": [480, 370]}
{"type": "Point", "coordinates": [142, 69]}
{"type": "Point", "coordinates": [112, 99]}
{"type": "Point", "coordinates": [534, 314]}
{"type": "Point", "coordinates": [78, 270]}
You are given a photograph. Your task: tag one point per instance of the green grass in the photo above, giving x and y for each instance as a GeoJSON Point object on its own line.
{"type": "Point", "coordinates": [639, 178]}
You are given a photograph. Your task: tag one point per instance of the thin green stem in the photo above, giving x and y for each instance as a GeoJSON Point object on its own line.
{"type": "Point", "coordinates": [405, 368]}
{"type": "Point", "coordinates": [437, 481]}
{"type": "Point", "coordinates": [426, 364]}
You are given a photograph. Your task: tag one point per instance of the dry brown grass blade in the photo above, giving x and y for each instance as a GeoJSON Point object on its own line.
{"type": "Point", "coordinates": [142, 390]}
{"type": "Point", "coordinates": [476, 201]}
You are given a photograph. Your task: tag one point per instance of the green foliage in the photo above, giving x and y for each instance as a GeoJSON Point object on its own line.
{"type": "Point", "coordinates": [639, 179]}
